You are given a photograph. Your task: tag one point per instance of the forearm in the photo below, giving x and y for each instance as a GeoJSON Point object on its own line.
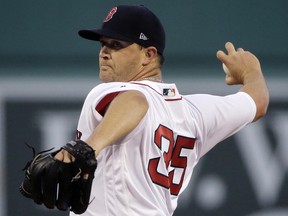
{"type": "Point", "coordinates": [255, 86]}
{"type": "Point", "coordinates": [123, 115]}
{"type": "Point", "coordinates": [243, 67]}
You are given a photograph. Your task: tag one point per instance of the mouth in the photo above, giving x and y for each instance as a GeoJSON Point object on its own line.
{"type": "Point", "coordinates": [104, 66]}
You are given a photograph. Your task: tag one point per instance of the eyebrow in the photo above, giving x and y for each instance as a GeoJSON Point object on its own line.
{"type": "Point", "coordinates": [104, 39]}
{"type": "Point", "coordinates": [112, 43]}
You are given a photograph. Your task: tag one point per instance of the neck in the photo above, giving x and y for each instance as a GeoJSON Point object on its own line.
{"type": "Point", "coordinates": [154, 79]}
{"type": "Point", "coordinates": [153, 74]}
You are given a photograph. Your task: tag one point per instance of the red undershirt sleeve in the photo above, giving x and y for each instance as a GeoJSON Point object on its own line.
{"type": "Point", "coordinates": [103, 105]}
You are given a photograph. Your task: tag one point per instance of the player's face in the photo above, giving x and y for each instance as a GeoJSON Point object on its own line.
{"type": "Point", "coordinates": [119, 61]}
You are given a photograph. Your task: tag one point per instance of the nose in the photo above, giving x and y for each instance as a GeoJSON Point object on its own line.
{"type": "Point", "coordinates": [104, 52]}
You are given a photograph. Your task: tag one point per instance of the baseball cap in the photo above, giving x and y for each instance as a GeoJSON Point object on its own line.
{"type": "Point", "coordinates": [135, 24]}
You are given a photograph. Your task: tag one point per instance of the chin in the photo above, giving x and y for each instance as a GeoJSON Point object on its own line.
{"type": "Point", "coordinates": [104, 76]}
{"type": "Point", "coordinates": [106, 79]}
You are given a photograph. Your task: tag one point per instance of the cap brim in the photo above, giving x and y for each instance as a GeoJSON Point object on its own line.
{"type": "Point", "coordinates": [96, 34]}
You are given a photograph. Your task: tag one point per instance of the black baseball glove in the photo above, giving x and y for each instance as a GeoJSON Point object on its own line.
{"type": "Point", "coordinates": [65, 185]}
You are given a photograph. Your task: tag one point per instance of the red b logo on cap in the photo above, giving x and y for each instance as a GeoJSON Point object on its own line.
{"type": "Point", "coordinates": [110, 14]}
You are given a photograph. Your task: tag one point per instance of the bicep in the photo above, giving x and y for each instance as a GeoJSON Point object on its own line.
{"type": "Point", "coordinates": [220, 117]}
{"type": "Point", "coordinates": [122, 115]}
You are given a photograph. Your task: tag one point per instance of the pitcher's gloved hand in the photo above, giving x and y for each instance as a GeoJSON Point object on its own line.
{"type": "Point", "coordinates": [53, 183]}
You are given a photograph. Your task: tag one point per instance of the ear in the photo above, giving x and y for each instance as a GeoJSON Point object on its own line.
{"type": "Point", "coordinates": [150, 54]}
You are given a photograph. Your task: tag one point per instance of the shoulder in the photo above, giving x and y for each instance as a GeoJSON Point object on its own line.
{"type": "Point", "coordinates": [103, 94]}
{"type": "Point", "coordinates": [106, 88]}
{"type": "Point", "coordinates": [237, 98]}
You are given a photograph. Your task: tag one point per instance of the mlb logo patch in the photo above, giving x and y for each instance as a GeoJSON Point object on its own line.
{"type": "Point", "coordinates": [170, 92]}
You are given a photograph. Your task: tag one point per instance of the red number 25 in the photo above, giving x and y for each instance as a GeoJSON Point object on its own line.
{"type": "Point", "coordinates": [172, 158]}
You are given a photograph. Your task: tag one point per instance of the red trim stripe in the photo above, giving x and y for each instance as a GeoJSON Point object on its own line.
{"type": "Point", "coordinates": [103, 105]}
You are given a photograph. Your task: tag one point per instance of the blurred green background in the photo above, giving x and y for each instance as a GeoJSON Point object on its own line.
{"type": "Point", "coordinates": [46, 70]}
{"type": "Point", "coordinates": [39, 38]}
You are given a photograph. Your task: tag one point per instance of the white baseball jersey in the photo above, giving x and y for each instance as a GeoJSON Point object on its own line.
{"type": "Point", "coordinates": [144, 173]}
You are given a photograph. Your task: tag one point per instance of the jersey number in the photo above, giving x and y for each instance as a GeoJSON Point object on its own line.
{"type": "Point", "coordinates": [172, 158]}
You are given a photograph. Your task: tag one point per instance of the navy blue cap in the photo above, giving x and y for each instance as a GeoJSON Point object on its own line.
{"type": "Point", "coordinates": [135, 24]}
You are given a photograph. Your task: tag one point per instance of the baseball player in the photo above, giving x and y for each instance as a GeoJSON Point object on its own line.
{"type": "Point", "coordinates": [146, 136]}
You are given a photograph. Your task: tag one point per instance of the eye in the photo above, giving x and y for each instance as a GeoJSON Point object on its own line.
{"type": "Point", "coordinates": [115, 44]}
{"type": "Point", "coordinates": [102, 43]}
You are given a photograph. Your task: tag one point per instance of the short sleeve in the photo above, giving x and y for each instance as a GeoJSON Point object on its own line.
{"type": "Point", "coordinates": [218, 117]}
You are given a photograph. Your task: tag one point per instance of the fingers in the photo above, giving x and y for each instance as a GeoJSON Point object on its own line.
{"type": "Point", "coordinates": [59, 156]}
{"type": "Point", "coordinates": [64, 187]}
{"type": "Point", "coordinates": [64, 156]}
{"type": "Point", "coordinates": [49, 185]}
{"type": "Point", "coordinates": [222, 56]}
{"type": "Point", "coordinates": [68, 158]}
{"type": "Point", "coordinates": [230, 48]}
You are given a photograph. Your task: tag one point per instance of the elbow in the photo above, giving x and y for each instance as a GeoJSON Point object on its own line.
{"type": "Point", "coordinates": [262, 107]}
{"type": "Point", "coordinates": [261, 112]}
